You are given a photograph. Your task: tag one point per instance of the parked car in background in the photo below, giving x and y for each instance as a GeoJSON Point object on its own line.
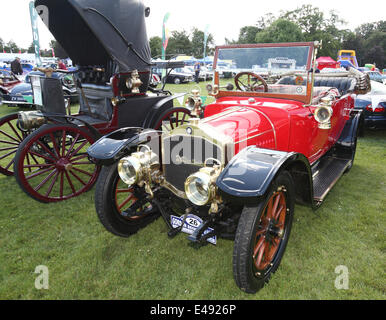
{"type": "Point", "coordinates": [204, 75]}
{"type": "Point", "coordinates": [373, 105]}
{"type": "Point", "coordinates": [376, 76]}
{"type": "Point", "coordinates": [179, 75]}
{"type": "Point", "coordinates": [235, 167]}
{"type": "Point", "coordinates": [21, 94]}
{"type": "Point", "coordinates": [7, 81]}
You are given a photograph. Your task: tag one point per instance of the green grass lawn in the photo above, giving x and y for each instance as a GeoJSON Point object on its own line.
{"type": "Point", "coordinates": [87, 262]}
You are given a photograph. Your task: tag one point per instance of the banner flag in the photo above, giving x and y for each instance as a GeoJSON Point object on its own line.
{"type": "Point", "coordinates": [206, 35]}
{"type": "Point", "coordinates": [165, 35]}
{"type": "Point", "coordinates": [165, 40]}
{"type": "Point", "coordinates": [35, 32]}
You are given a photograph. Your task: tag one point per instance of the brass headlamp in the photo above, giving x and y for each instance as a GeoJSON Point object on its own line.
{"type": "Point", "coordinates": [323, 112]}
{"type": "Point", "coordinates": [28, 120]}
{"type": "Point", "coordinates": [134, 82]}
{"type": "Point", "coordinates": [137, 168]}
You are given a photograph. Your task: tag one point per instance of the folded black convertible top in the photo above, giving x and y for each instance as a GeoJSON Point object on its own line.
{"type": "Point", "coordinates": [97, 32]}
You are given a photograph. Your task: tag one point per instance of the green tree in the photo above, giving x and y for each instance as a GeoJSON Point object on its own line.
{"type": "Point", "coordinates": [11, 46]}
{"type": "Point", "coordinates": [315, 26]}
{"type": "Point", "coordinates": [248, 34]}
{"type": "Point", "coordinates": [155, 46]}
{"type": "Point", "coordinates": [31, 48]}
{"type": "Point", "coordinates": [281, 30]}
{"type": "Point", "coordinates": [197, 44]}
{"type": "Point", "coordinates": [179, 43]}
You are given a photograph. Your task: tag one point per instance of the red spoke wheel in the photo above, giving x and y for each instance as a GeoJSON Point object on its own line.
{"type": "Point", "coordinates": [119, 208]}
{"type": "Point", "coordinates": [262, 235]}
{"type": "Point", "coordinates": [172, 118]}
{"type": "Point", "coordinates": [10, 139]}
{"type": "Point", "coordinates": [52, 163]}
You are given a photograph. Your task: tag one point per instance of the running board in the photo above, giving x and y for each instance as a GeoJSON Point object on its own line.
{"type": "Point", "coordinates": [326, 174]}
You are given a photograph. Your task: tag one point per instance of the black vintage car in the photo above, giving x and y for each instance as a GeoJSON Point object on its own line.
{"type": "Point", "coordinates": [108, 43]}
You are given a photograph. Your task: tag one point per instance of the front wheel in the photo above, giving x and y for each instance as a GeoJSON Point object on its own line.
{"type": "Point", "coordinates": [262, 235]}
{"type": "Point", "coordinates": [121, 209]}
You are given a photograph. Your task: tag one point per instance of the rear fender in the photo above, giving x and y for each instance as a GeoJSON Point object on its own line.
{"type": "Point", "coordinates": [248, 176]}
{"type": "Point", "coordinates": [347, 141]}
{"type": "Point", "coordinates": [120, 143]}
{"type": "Point", "coordinates": [158, 109]}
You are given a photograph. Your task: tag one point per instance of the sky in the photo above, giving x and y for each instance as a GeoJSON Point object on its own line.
{"type": "Point", "coordinates": [224, 17]}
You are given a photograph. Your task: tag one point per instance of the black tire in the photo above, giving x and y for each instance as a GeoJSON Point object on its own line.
{"type": "Point", "coordinates": [177, 80]}
{"type": "Point", "coordinates": [247, 276]}
{"type": "Point", "coordinates": [107, 207]}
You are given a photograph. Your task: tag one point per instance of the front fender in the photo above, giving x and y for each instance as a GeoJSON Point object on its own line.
{"type": "Point", "coordinates": [250, 173]}
{"type": "Point", "coordinates": [112, 147]}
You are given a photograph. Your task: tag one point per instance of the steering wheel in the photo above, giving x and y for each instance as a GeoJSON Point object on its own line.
{"type": "Point", "coordinates": [249, 81]}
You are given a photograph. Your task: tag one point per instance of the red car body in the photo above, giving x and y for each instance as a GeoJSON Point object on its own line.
{"type": "Point", "coordinates": [275, 124]}
{"type": "Point", "coordinates": [236, 167]}
{"type": "Point", "coordinates": [7, 81]}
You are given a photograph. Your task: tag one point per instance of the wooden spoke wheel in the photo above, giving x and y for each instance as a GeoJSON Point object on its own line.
{"type": "Point", "coordinates": [121, 209]}
{"type": "Point", "coordinates": [127, 203]}
{"type": "Point", "coordinates": [172, 118]}
{"type": "Point", "coordinates": [270, 231]}
{"type": "Point", "coordinates": [249, 81]}
{"type": "Point", "coordinates": [10, 138]}
{"type": "Point", "coordinates": [262, 235]}
{"type": "Point", "coordinates": [52, 163]}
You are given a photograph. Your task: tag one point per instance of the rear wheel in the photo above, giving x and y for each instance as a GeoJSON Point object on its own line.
{"type": "Point", "coordinates": [262, 235]}
{"type": "Point", "coordinates": [10, 138]}
{"type": "Point", "coordinates": [172, 118]}
{"type": "Point", "coordinates": [177, 80]}
{"type": "Point", "coordinates": [52, 163]}
{"type": "Point", "coordinates": [116, 203]}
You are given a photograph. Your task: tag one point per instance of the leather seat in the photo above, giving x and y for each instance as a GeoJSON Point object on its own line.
{"type": "Point", "coordinates": [343, 84]}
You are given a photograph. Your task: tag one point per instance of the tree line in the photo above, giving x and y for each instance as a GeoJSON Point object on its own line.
{"type": "Point", "coordinates": [305, 23]}
{"type": "Point", "coordinates": [11, 46]}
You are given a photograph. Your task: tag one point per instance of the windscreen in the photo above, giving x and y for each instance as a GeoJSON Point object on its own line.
{"type": "Point", "coordinates": [264, 59]}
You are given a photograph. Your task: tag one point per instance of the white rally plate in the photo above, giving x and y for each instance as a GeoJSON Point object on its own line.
{"type": "Point", "coordinates": [192, 222]}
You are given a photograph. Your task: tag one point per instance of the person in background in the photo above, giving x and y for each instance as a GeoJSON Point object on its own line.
{"type": "Point", "coordinates": [16, 66]}
{"type": "Point", "coordinates": [61, 65]}
{"type": "Point", "coordinates": [197, 68]}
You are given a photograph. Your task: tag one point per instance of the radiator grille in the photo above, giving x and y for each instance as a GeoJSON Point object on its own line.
{"type": "Point", "coordinates": [185, 155]}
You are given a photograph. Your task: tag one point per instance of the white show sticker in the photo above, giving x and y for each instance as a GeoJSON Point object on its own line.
{"type": "Point", "coordinates": [192, 222]}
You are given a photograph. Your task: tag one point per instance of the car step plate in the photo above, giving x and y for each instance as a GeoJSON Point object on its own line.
{"type": "Point", "coordinates": [192, 222]}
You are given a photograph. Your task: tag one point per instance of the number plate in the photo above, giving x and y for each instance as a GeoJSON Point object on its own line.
{"type": "Point", "coordinates": [21, 99]}
{"type": "Point", "coordinates": [192, 222]}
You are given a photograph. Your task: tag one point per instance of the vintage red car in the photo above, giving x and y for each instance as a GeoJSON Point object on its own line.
{"type": "Point", "coordinates": [7, 81]}
{"type": "Point", "coordinates": [235, 168]}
